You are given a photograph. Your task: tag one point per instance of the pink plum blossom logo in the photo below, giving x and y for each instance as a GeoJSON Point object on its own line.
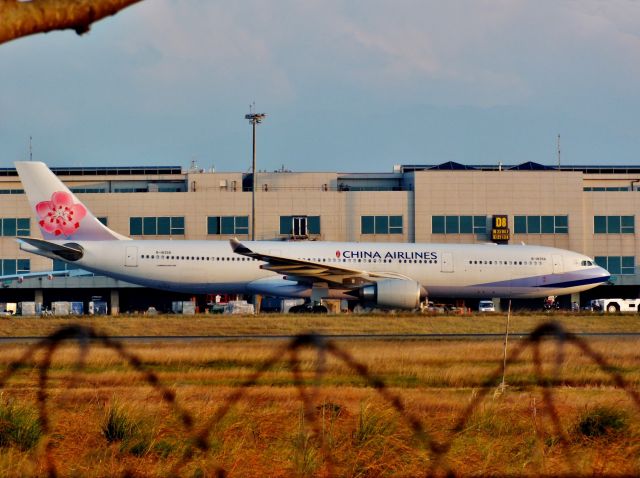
{"type": "Point", "coordinates": [60, 216]}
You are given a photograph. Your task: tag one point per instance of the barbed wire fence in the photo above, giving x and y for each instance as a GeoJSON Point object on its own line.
{"type": "Point", "coordinates": [199, 434]}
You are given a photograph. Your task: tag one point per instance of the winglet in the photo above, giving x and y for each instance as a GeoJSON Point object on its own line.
{"type": "Point", "coordinates": [239, 248]}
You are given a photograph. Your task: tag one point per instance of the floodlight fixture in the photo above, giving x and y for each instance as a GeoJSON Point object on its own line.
{"type": "Point", "coordinates": [255, 118]}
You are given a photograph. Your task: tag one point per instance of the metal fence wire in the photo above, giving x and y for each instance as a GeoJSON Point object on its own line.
{"type": "Point", "coordinates": [40, 355]}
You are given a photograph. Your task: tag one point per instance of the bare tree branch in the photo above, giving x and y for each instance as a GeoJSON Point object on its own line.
{"type": "Point", "coordinates": [22, 18]}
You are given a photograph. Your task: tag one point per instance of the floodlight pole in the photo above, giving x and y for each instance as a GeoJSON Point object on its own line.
{"type": "Point", "coordinates": [254, 119]}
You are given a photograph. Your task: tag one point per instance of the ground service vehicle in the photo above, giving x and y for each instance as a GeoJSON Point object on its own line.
{"type": "Point", "coordinates": [486, 306]}
{"type": "Point", "coordinates": [615, 305]}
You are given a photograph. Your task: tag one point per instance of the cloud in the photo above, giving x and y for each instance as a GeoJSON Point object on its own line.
{"type": "Point", "coordinates": [478, 53]}
{"type": "Point", "coordinates": [199, 47]}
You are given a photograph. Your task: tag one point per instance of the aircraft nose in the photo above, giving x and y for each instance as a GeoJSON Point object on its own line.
{"type": "Point", "coordinates": [602, 273]}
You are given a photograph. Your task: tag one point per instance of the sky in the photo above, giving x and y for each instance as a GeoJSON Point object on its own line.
{"type": "Point", "coordinates": [347, 85]}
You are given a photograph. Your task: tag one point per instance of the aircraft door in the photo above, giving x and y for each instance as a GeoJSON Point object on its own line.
{"type": "Point", "coordinates": [557, 264]}
{"type": "Point", "coordinates": [131, 256]}
{"type": "Point", "coordinates": [446, 262]}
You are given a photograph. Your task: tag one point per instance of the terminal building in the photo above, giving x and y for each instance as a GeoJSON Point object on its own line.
{"type": "Point", "coordinates": [587, 209]}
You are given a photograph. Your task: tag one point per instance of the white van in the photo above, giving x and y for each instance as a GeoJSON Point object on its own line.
{"type": "Point", "coordinates": [486, 306]}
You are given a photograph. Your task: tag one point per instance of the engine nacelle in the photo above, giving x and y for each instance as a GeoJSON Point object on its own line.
{"type": "Point", "coordinates": [394, 293]}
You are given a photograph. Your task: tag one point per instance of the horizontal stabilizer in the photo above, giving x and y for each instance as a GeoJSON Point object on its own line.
{"type": "Point", "coordinates": [70, 251]}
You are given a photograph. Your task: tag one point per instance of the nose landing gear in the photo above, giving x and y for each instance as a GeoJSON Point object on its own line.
{"type": "Point", "coordinates": [308, 308]}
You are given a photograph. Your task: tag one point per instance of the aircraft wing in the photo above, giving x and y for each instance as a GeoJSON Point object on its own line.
{"type": "Point", "coordinates": [310, 272]}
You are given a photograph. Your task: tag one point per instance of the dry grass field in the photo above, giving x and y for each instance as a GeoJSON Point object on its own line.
{"type": "Point", "coordinates": [107, 419]}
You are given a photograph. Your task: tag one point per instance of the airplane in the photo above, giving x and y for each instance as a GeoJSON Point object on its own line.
{"type": "Point", "coordinates": [385, 275]}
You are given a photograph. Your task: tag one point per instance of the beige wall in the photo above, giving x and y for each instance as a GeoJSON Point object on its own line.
{"type": "Point", "coordinates": [624, 203]}
{"type": "Point", "coordinates": [500, 192]}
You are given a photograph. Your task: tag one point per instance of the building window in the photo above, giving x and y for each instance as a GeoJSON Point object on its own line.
{"type": "Point", "coordinates": [234, 225]}
{"type": "Point", "coordinates": [614, 224]}
{"type": "Point", "coordinates": [458, 225]}
{"type": "Point", "coordinates": [299, 225]}
{"type": "Point", "coordinates": [103, 220]}
{"type": "Point", "coordinates": [367, 224]}
{"type": "Point", "coordinates": [156, 226]}
{"type": "Point", "coordinates": [59, 265]}
{"type": "Point", "coordinates": [88, 190]}
{"type": "Point", "coordinates": [135, 226]}
{"type": "Point", "coordinates": [607, 189]}
{"type": "Point", "coordinates": [23, 265]}
{"type": "Point", "coordinates": [313, 224]}
{"type": "Point", "coordinates": [130, 190]}
{"type": "Point", "coordinates": [541, 224]}
{"type": "Point", "coordinates": [617, 264]}
{"type": "Point", "coordinates": [15, 266]}
{"type": "Point", "coordinates": [381, 224]}
{"type": "Point", "coordinates": [12, 226]}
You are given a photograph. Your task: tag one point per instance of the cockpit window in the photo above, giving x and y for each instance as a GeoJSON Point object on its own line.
{"type": "Point", "coordinates": [587, 263]}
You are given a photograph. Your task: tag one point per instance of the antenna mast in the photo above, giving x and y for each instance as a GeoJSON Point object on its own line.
{"type": "Point", "coordinates": [558, 151]}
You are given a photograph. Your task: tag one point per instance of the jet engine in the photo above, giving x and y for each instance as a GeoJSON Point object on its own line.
{"type": "Point", "coordinates": [394, 293]}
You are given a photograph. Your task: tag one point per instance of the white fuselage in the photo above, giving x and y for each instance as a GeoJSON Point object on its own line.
{"type": "Point", "coordinates": [447, 270]}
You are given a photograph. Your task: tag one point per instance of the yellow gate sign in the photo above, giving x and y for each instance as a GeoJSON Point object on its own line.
{"type": "Point", "coordinates": [500, 232]}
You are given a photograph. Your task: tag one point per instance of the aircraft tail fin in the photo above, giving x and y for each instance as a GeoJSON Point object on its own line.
{"type": "Point", "coordinates": [59, 213]}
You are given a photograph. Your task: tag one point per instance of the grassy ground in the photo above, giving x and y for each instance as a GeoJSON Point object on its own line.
{"type": "Point", "coordinates": [268, 324]}
{"type": "Point", "coordinates": [109, 420]}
